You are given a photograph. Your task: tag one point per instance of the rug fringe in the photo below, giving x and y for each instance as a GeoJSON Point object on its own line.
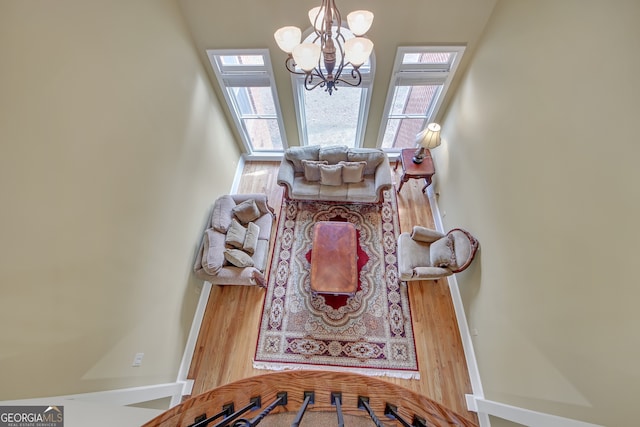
{"type": "Point", "coordinates": [405, 375]}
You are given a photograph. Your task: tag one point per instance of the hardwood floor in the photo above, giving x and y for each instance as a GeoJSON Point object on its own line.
{"type": "Point", "coordinates": [227, 339]}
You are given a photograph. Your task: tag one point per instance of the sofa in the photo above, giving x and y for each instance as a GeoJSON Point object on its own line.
{"type": "Point", "coordinates": [235, 244]}
{"type": "Point", "coordinates": [335, 173]}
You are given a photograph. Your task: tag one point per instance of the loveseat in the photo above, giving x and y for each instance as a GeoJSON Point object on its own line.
{"type": "Point", "coordinates": [235, 244]}
{"type": "Point", "coordinates": [335, 173]}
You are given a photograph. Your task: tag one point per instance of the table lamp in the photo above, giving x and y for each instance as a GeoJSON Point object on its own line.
{"type": "Point", "coordinates": [427, 139]}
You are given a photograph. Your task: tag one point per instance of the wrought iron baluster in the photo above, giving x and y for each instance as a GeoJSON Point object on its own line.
{"type": "Point", "coordinates": [203, 421]}
{"type": "Point", "coordinates": [336, 399]}
{"type": "Point", "coordinates": [280, 401]}
{"type": "Point", "coordinates": [254, 403]}
{"type": "Point", "coordinates": [363, 403]}
{"type": "Point", "coordinates": [309, 398]}
{"type": "Point", "coordinates": [391, 411]}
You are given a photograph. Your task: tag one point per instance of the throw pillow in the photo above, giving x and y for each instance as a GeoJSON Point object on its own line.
{"type": "Point", "coordinates": [311, 170]}
{"type": "Point", "coordinates": [238, 258]}
{"type": "Point", "coordinates": [442, 252]}
{"type": "Point", "coordinates": [235, 234]}
{"type": "Point", "coordinates": [352, 171]}
{"type": "Point", "coordinates": [331, 174]}
{"type": "Point", "coordinates": [251, 238]}
{"type": "Point", "coordinates": [246, 211]}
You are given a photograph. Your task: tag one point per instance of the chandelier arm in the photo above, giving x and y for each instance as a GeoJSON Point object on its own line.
{"type": "Point", "coordinates": [309, 79]}
{"type": "Point", "coordinates": [355, 74]}
{"type": "Point", "coordinates": [290, 65]}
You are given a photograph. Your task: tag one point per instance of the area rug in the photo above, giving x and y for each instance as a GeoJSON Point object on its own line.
{"type": "Point", "coordinates": [368, 333]}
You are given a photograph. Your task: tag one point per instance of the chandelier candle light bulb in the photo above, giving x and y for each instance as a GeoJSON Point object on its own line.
{"type": "Point", "coordinates": [333, 50]}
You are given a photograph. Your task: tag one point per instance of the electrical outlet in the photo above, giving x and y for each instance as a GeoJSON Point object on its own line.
{"type": "Point", "coordinates": [474, 332]}
{"type": "Point", "coordinates": [137, 360]}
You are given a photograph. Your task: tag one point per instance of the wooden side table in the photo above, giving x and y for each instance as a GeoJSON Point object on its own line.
{"type": "Point", "coordinates": [412, 170]}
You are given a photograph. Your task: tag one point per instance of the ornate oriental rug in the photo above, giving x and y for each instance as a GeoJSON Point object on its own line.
{"type": "Point", "coordinates": [368, 333]}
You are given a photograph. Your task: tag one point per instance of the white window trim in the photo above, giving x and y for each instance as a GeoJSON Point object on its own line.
{"type": "Point", "coordinates": [420, 73]}
{"type": "Point", "coordinates": [248, 75]}
{"type": "Point", "coordinates": [297, 83]}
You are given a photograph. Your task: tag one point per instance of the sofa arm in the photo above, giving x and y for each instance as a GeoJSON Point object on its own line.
{"type": "Point", "coordinates": [230, 275]}
{"type": "Point", "coordinates": [383, 178]}
{"type": "Point", "coordinates": [430, 273]}
{"type": "Point", "coordinates": [286, 175]}
{"type": "Point", "coordinates": [424, 234]}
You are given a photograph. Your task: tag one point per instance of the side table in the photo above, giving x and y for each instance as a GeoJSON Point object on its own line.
{"type": "Point", "coordinates": [412, 170]}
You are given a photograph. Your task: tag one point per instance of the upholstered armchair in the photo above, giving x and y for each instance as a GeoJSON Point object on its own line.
{"type": "Point", "coordinates": [426, 254]}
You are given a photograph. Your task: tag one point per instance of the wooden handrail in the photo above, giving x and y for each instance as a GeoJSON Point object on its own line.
{"type": "Point", "coordinates": [323, 383]}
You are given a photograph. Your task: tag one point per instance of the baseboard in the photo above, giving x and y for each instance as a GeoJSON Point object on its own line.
{"type": "Point", "coordinates": [190, 346]}
{"type": "Point", "coordinates": [461, 317]}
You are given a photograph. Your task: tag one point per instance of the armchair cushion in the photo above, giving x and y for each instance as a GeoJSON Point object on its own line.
{"type": "Point", "coordinates": [442, 252]}
{"type": "Point", "coordinates": [247, 211]}
{"type": "Point", "coordinates": [235, 234]}
{"type": "Point", "coordinates": [311, 169]}
{"type": "Point", "coordinates": [238, 258]}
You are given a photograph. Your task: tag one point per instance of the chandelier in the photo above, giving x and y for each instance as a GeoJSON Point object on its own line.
{"type": "Point", "coordinates": [323, 61]}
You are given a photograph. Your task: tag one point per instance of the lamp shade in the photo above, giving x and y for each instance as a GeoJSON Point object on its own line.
{"type": "Point", "coordinates": [429, 137]}
{"type": "Point", "coordinates": [288, 38]}
{"type": "Point", "coordinates": [316, 16]}
{"type": "Point", "coordinates": [306, 56]}
{"type": "Point", "coordinates": [357, 50]}
{"type": "Point", "coordinates": [360, 21]}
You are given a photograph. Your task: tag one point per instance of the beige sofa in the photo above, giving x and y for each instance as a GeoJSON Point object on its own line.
{"type": "Point", "coordinates": [235, 245]}
{"type": "Point", "coordinates": [335, 173]}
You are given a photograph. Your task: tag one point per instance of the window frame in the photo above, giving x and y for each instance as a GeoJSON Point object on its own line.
{"type": "Point", "coordinates": [416, 74]}
{"type": "Point", "coordinates": [297, 83]}
{"type": "Point", "coordinates": [245, 76]}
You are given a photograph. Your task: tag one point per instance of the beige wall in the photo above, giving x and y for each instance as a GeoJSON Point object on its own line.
{"type": "Point", "coordinates": [251, 24]}
{"type": "Point", "coordinates": [539, 161]}
{"type": "Point", "coordinates": [112, 148]}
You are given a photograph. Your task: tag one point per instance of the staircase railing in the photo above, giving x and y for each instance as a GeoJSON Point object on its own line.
{"type": "Point", "coordinates": [302, 391]}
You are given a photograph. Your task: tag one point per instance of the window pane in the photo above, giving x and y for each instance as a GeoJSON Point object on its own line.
{"type": "Point", "coordinates": [426, 58]}
{"type": "Point", "coordinates": [401, 133]}
{"type": "Point", "coordinates": [254, 100]}
{"type": "Point", "coordinates": [264, 134]}
{"type": "Point", "coordinates": [332, 119]}
{"type": "Point", "coordinates": [413, 100]}
{"type": "Point", "coordinates": [242, 60]}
